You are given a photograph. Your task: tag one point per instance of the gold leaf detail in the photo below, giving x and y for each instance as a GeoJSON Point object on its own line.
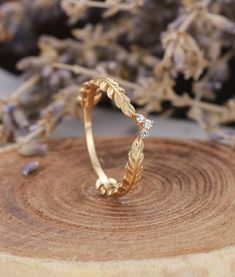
{"type": "Point", "coordinates": [117, 94]}
{"type": "Point", "coordinates": [134, 167]}
{"type": "Point", "coordinates": [89, 96]}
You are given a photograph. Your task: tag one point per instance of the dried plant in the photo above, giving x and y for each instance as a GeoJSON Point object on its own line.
{"type": "Point", "coordinates": [197, 50]}
{"type": "Point", "coordinates": [76, 8]}
{"type": "Point", "coordinates": [15, 15]}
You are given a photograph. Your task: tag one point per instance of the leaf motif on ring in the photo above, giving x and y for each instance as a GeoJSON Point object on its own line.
{"type": "Point", "coordinates": [134, 166]}
{"type": "Point", "coordinates": [117, 94]}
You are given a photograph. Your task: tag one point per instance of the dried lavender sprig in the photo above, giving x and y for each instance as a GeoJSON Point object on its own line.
{"type": "Point", "coordinates": [193, 15]}
{"type": "Point", "coordinates": [224, 136]}
{"type": "Point", "coordinates": [25, 87]}
{"type": "Point", "coordinates": [50, 117]}
{"type": "Point", "coordinates": [112, 6]}
{"type": "Point", "coordinates": [77, 69]}
{"type": "Point", "coordinates": [20, 118]}
{"type": "Point", "coordinates": [170, 58]}
{"type": "Point", "coordinates": [37, 130]}
{"type": "Point", "coordinates": [177, 100]}
{"type": "Point", "coordinates": [22, 140]}
{"type": "Point", "coordinates": [11, 114]}
{"type": "Point", "coordinates": [33, 149]}
{"type": "Point", "coordinates": [121, 6]}
{"type": "Point", "coordinates": [30, 168]}
{"type": "Point", "coordinates": [188, 21]}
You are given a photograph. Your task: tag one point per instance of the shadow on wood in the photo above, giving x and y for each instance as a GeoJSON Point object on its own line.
{"type": "Point", "coordinates": [180, 221]}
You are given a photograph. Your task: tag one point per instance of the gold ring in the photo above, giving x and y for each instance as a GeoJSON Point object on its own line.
{"type": "Point", "coordinates": [90, 95]}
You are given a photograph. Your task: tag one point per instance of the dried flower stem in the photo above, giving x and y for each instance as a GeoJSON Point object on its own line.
{"type": "Point", "coordinates": [77, 69]}
{"type": "Point", "coordinates": [8, 148]}
{"type": "Point", "coordinates": [203, 105]}
{"type": "Point", "coordinates": [121, 6]}
{"type": "Point", "coordinates": [188, 21]}
{"type": "Point", "coordinates": [25, 87]}
{"type": "Point", "coordinates": [184, 101]}
{"type": "Point", "coordinates": [28, 84]}
{"type": "Point", "coordinates": [22, 140]}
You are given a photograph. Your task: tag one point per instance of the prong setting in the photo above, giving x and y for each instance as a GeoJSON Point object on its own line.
{"type": "Point", "coordinates": [144, 124]}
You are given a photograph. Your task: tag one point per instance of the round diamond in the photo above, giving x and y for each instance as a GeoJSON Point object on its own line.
{"type": "Point", "coordinates": [140, 118]}
{"type": "Point", "coordinates": [144, 133]}
{"type": "Point", "coordinates": [145, 125]}
{"type": "Point", "coordinates": [148, 123]}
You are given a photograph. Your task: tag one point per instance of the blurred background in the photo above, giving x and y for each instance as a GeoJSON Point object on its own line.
{"type": "Point", "coordinates": [176, 55]}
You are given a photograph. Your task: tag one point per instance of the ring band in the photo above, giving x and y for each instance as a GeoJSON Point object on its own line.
{"type": "Point", "coordinates": [90, 95]}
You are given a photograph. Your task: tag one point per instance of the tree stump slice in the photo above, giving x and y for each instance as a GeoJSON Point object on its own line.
{"type": "Point", "coordinates": [179, 221]}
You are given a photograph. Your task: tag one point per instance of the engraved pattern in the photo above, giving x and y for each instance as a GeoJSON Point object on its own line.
{"type": "Point", "coordinates": [133, 170]}
{"type": "Point", "coordinates": [134, 167]}
{"type": "Point", "coordinates": [117, 94]}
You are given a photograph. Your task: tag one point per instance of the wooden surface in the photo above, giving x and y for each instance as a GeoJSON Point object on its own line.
{"type": "Point", "coordinates": [180, 221]}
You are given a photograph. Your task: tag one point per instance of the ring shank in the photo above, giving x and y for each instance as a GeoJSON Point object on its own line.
{"type": "Point", "coordinates": [90, 95]}
{"type": "Point", "coordinates": [91, 146]}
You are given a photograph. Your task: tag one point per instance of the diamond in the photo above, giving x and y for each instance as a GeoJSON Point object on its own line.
{"type": "Point", "coordinates": [145, 125]}
{"type": "Point", "coordinates": [148, 123]}
{"type": "Point", "coordinates": [140, 118]}
{"type": "Point", "coordinates": [144, 133]}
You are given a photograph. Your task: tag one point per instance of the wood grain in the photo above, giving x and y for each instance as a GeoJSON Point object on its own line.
{"type": "Point", "coordinates": [180, 220]}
